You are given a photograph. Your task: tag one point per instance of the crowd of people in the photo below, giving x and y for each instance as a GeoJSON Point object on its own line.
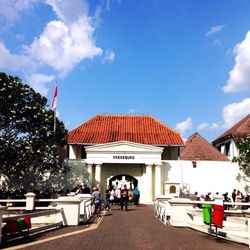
{"type": "Point", "coordinates": [119, 195]}
{"type": "Point", "coordinates": [236, 196]}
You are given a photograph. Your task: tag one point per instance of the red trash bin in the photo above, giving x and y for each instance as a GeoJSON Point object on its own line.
{"type": "Point", "coordinates": [218, 215]}
{"type": "Point", "coordinates": [27, 222]}
{"type": "Point", "coordinates": [11, 226]}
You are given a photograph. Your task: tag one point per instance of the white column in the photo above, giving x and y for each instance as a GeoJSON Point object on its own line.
{"type": "Point", "coordinates": [72, 155]}
{"type": "Point", "coordinates": [149, 183]}
{"type": "Point", "coordinates": [90, 172]}
{"type": "Point", "coordinates": [30, 201]}
{"type": "Point", "coordinates": [98, 172]}
{"type": "Point", "coordinates": [158, 184]}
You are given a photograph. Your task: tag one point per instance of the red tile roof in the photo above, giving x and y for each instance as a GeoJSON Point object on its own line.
{"type": "Point", "coordinates": [240, 129]}
{"type": "Point", "coordinates": [143, 129]}
{"type": "Point", "coordinates": [197, 148]}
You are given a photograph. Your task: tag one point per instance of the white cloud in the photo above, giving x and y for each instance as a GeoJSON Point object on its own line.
{"type": "Point", "coordinates": [62, 45]}
{"type": "Point", "coordinates": [215, 29]}
{"type": "Point", "coordinates": [234, 112]}
{"type": "Point", "coordinates": [69, 12]}
{"type": "Point", "coordinates": [10, 9]}
{"type": "Point", "coordinates": [240, 74]}
{"type": "Point", "coordinates": [132, 110]}
{"type": "Point", "coordinates": [207, 126]}
{"type": "Point", "coordinates": [203, 126]}
{"type": "Point", "coordinates": [184, 126]}
{"type": "Point", "coordinates": [216, 42]}
{"type": "Point", "coordinates": [14, 62]}
{"type": "Point", "coordinates": [109, 56]}
{"type": "Point", "coordinates": [39, 81]}
{"type": "Point", "coordinates": [215, 125]}
{"type": "Point", "coordinates": [108, 4]}
{"type": "Point", "coordinates": [231, 114]}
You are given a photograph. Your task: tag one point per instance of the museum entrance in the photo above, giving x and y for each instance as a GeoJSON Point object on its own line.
{"type": "Point", "coordinates": [120, 180]}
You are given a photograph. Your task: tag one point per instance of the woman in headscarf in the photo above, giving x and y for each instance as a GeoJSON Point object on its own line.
{"type": "Point", "coordinates": [136, 196]}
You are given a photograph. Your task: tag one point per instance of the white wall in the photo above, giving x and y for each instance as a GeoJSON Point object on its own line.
{"type": "Point", "coordinates": [208, 176]}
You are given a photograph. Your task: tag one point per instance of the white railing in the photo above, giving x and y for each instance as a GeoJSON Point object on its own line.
{"type": "Point", "coordinates": [88, 209]}
{"type": "Point", "coordinates": [63, 211]}
{"type": "Point", "coordinates": [187, 213]}
{"type": "Point", "coordinates": [36, 223]}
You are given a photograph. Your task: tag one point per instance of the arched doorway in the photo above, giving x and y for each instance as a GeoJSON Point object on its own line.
{"type": "Point", "coordinates": [120, 180]}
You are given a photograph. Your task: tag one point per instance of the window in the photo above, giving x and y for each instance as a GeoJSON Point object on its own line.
{"type": "Point", "coordinates": [84, 154]}
{"type": "Point", "coordinates": [172, 190]}
{"type": "Point", "coordinates": [227, 149]}
{"type": "Point", "coordinates": [194, 164]}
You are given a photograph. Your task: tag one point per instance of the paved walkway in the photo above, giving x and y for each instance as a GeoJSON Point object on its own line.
{"type": "Point", "coordinates": [134, 229]}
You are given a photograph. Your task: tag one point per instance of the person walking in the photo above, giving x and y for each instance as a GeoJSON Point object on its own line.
{"type": "Point", "coordinates": [234, 195]}
{"type": "Point", "coordinates": [96, 200]}
{"type": "Point", "coordinates": [124, 198]}
{"type": "Point", "coordinates": [136, 196]}
{"type": "Point", "coordinates": [118, 196]}
{"type": "Point", "coordinates": [108, 194]}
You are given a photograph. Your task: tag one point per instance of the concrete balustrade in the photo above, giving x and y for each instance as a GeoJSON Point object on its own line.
{"type": "Point", "coordinates": [186, 213]}
{"type": "Point", "coordinates": [84, 198]}
{"type": "Point", "coordinates": [71, 210]}
{"type": "Point", "coordinates": [64, 211]}
{"type": "Point", "coordinates": [178, 211]}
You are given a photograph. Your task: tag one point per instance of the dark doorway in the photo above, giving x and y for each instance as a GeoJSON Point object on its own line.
{"type": "Point", "coordinates": [119, 180]}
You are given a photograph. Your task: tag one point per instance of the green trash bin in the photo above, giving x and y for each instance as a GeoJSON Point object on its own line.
{"type": "Point", "coordinates": [207, 213]}
{"type": "Point", "coordinates": [20, 224]}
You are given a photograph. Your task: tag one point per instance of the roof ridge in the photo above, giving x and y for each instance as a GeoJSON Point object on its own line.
{"type": "Point", "coordinates": [234, 128]}
{"type": "Point", "coordinates": [146, 129]}
{"type": "Point", "coordinates": [124, 115]}
{"type": "Point", "coordinates": [198, 148]}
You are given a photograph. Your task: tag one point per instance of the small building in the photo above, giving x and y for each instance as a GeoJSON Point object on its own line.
{"type": "Point", "coordinates": [204, 169]}
{"type": "Point", "coordinates": [124, 149]}
{"type": "Point", "coordinates": [226, 142]}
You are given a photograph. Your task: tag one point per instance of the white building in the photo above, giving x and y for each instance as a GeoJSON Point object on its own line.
{"type": "Point", "coordinates": [226, 142]}
{"type": "Point", "coordinates": [124, 149]}
{"type": "Point", "coordinates": [139, 150]}
{"type": "Point", "coordinates": [204, 169]}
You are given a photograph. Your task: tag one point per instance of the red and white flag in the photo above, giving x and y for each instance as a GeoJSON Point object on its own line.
{"type": "Point", "coordinates": [54, 99]}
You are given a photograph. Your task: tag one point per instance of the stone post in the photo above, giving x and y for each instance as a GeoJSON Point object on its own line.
{"type": "Point", "coordinates": [71, 210]}
{"type": "Point", "coordinates": [179, 216]}
{"type": "Point", "coordinates": [30, 201]}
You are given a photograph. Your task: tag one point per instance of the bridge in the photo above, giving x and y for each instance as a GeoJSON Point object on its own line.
{"type": "Point", "coordinates": [137, 228]}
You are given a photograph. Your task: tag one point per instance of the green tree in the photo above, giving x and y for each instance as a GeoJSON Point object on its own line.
{"type": "Point", "coordinates": [29, 148]}
{"type": "Point", "coordinates": [243, 145]}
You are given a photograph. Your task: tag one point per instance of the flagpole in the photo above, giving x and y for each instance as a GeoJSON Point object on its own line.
{"type": "Point", "coordinates": [54, 102]}
{"type": "Point", "coordinates": [55, 121]}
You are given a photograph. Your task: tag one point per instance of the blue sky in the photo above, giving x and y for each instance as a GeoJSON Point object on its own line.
{"type": "Point", "coordinates": [187, 63]}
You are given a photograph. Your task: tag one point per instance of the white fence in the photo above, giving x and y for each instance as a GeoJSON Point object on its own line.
{"type": "Point", "coordinates": [186, 213]}
{"type": "Point", "coordinates": [64, 211]}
